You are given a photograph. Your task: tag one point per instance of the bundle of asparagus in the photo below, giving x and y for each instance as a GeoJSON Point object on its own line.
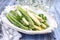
{"type": "Point", "coordinates": [27, 19]}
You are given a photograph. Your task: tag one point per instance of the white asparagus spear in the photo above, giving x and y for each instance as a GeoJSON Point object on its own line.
{"type": "Point", "coordinates": [39, 28]}
{"type": "Point", "coordinates": [43, 25]}
{"type": "Point", "coordinates": [19, 13]}
{"type": "Point", "coordinates": [26, 22]}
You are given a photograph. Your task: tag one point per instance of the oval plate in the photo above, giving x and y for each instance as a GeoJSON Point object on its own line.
{"type": "Point", "coordinates": [51, 20]}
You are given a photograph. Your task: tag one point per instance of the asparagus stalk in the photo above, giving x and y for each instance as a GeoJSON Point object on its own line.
{"type": "Point", "coordinates": [20, 25]}
{"type": "Point", "coordinates": [38, 28]}
{"type": "Point", "coordinates": [19, 13]}
{"type": "Point", "coordinates": [25, 21]}
{"type": "Point", "coordinates": [43, 25]}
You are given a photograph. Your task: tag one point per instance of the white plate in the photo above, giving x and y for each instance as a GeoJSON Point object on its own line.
{"type": "Point", "coordinates": [51, 20]}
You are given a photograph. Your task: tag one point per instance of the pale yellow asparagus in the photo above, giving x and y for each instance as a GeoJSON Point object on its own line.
{"type": "Point", "coordinates": [43, 25]}
{"type": "Point", "coordinates": [19, 13]}
{"type": "Point", "coordinates": [34, 18]}
{"type": "Point", "coordinates": [38, 28]}
{"type": "Point", "coordinates": [25, 21]}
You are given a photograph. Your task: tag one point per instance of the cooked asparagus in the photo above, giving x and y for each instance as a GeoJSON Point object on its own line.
{"type": "Point", "coordinates": [27, 19]}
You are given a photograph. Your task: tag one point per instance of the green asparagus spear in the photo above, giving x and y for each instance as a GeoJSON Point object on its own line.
{"type": "Point", "coordinates": [11, 20]}
{"type": "Point", "coordinates": [20, 25]}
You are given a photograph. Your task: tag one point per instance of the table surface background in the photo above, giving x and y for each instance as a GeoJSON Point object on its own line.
{"type": "Point", "coordinates": [55, 35]}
